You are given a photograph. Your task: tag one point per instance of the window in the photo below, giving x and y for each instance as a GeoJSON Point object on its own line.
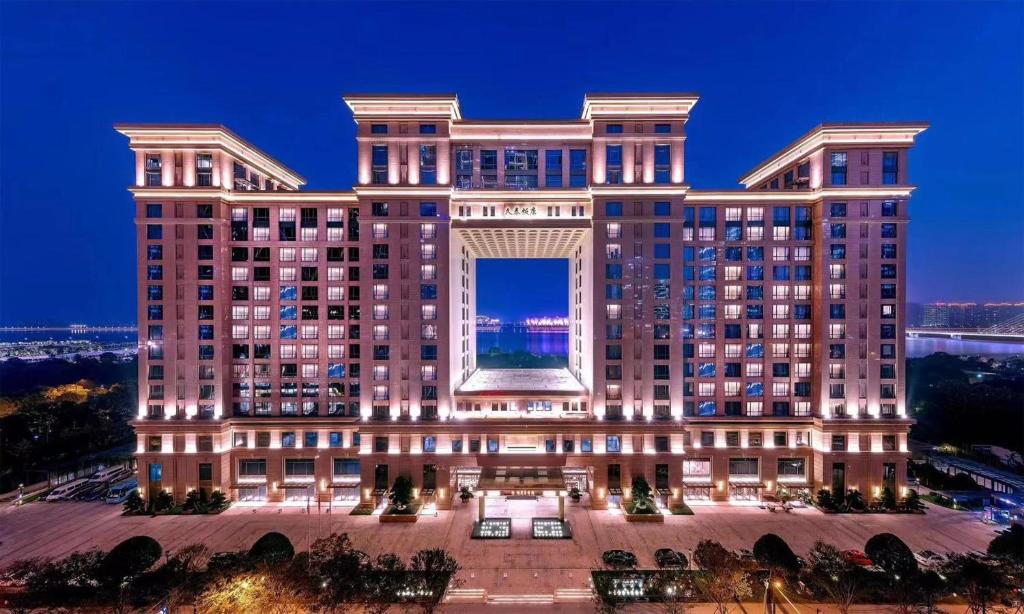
{"type": "Point", "coordinates": [428, 128]}
{"type": "Point", "coordinates": [553, 168]}
{"type": "Point", "coordinates": [577, 168]}
{"type": "Point", "coordinates": [613, 162]}
{"type": "Point", "coordinates": [613, 209]}
{"type": "Point", "coordinates": [838, 167]}
{"type": "Point", "coordinates": [378, 128]}
{"type": "Point", "coordinates": [614, 443]}
{"type": "Point", "coordinates": [379, 164]}
{"type": "Point", "coordinates": [428, 164]}
{"type": "Point", "coordinates": [890, 167]}
{"type": "Point", "coordinates": [662, 155]}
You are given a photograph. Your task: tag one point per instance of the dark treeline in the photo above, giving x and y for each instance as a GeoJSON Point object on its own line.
{"type": "Point", "coordinates": [952, 405]}
{"type": "Point", "coordinates": [18, 377]}
{"type": "Point", "coordinates": [56, 412]}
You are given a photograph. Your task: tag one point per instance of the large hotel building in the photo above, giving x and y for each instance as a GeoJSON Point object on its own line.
{"type": "Point", "coordinates": [724, 344]}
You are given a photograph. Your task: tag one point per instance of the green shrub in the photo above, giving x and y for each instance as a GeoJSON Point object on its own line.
{"type": "Point", "coordinates": [272, 548]}
{"type": "Point", "coordinates": [129, 559]}
{"type": "Point", "coordinates": [134, 503]}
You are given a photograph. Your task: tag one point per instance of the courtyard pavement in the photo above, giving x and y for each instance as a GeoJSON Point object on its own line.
{"type": "Point", "coordinates": [518, 566]}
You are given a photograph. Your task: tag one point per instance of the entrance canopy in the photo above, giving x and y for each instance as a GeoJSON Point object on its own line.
{"type": "Point", "coordinates": [548, 383]}
{"type": "Point", "coordinates": [507, 479]}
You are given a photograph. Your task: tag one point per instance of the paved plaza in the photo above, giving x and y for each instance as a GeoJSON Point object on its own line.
{"type": "Point", "coordinates": [517, 566]}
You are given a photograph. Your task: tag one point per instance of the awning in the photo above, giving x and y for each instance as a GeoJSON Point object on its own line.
{"type": "Point", "coordinates": [521, 478]}
{"type": "Point", "coordinates": [698, 483]}
{"type": "Point", "coordinates": [746, 483]}
{"type": "Point", "coordinates": [664, 491]}
{"type": "Point", "coordinates": [615, 491]}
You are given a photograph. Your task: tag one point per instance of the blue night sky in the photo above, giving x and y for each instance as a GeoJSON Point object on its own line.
{"type": "Point", "coordinates": [274, 73]}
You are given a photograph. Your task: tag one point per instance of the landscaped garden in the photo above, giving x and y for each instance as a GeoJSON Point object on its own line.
{"type": "Point", "coordinates": [270, 577]}
{"type": "Point", "coordinates": [886, 572]}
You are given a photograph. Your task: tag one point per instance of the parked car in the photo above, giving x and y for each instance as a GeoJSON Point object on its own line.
{"type": "Point", "coordinates": [119, 492]}
{"type": "Point", "coordinates": [857, 558]}
{"type": "Point", "coordinates": [667, 558]}
{"type": "Point", "coordinates": [619, 559]}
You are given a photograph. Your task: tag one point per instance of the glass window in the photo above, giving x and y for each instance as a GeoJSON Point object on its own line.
{"type": "Point", "coordinates": [838, 167]}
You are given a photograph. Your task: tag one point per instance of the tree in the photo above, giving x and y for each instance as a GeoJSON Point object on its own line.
{"type": "Point", "coordinates": [177, 582]}
{"type": "Point", "coordinates": [340, 571]}
{"type": "Point", "coordinates": [854, 500]}
{"type": "Point", "coordinates": [892, 555]}
{"type": "Point", "coordinates": [272, 548]}
{"type": "Point", "coordinates": [129, 559]}
{"type": "Point", "coordinates": [163, 502]}
{"type": "Point", "coordinates": [69, 582]}
{"type": "Point", "coordinates": [824, 499]}
{"type": "Point", "coordinates": [775, 554]}
{"type": "Point", "coordinates": [434, 571]}
{"type": "Point", "coordinates": [134, 504]}
{"type": "Point", "coordinates": [888, 498]}
{"type": "Point", "coordinates": [641, 494]}
{"type": "Point", "coordinates": [833, 577]}
{"type": "Point", "coordinates": [1009, 544]}
{"type": "Point", "coordinates": [387, 577]}
{"type": "Point", "coordinates": [401, 493]}
{"type": "Point", "coordinates": [913, 501]}
{"type": "Point", "coordinates": [252, 592]}
{"type": "Point", "coordinates": [722, 578]}
{"type": "Point", "coordinates": [192, 502]}
{"type": "Point", "coordinates": [218, 500]}
{"type": "Point", "coordinates": [980, 582]}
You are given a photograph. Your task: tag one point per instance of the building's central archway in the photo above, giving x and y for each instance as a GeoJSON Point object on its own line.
{"type": "Point", "coordinates": [516, 232]}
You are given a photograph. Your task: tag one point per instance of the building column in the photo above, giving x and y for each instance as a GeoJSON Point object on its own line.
{"type": "Point", "coordinates": [599, 489]}
{"type": "Point", "coordinates": [412, 158]}
{"type": "Point", "coordinates": [445, 489]}
{"type": "Point", "coordinates": [676, 157]}
{"type": "Point", "coordinates": [628, 162]}
{"type": "Point", "coordinates": [444, 161]}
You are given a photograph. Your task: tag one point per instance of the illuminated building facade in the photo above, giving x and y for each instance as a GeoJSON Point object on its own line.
{"type": "Point", "coordinates": [724, 344]}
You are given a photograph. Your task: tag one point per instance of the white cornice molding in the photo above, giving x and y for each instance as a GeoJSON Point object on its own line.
{"type": "Point", "coordinates": [822, 136]}
{"type": "Point", "coordinates": [209, 137]}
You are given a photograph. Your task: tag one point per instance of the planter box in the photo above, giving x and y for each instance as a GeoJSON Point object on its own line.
{"type": "Point", "coordinates": [645, 517]}
{"type": "Point", "coordinates": [398, 517]}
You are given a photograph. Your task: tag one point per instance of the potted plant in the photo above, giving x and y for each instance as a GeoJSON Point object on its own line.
{"type": "Point", "coordinates": [575, 494]}
{"type": "Point", "coordinates": [401, 498]}
{"type": "Point", "coordinates": [465, 494]}
{"type": "Point", "coordinates": [642, 507]}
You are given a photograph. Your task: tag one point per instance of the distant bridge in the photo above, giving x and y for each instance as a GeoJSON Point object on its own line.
{"type": "Point", "coordinates": [73, 328]}
{"type": "Point", "coordinates": [1011, 330]}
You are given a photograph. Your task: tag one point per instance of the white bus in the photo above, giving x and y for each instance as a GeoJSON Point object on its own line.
{"type": "Point", "coordinates": [66, 491]}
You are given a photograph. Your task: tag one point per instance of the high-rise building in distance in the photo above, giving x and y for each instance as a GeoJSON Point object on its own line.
{"type": "Point", "coordinates": [725, 344]}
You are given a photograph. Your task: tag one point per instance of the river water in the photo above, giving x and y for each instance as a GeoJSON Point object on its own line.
{"type": "Point", "coordinates": [557, 344]}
